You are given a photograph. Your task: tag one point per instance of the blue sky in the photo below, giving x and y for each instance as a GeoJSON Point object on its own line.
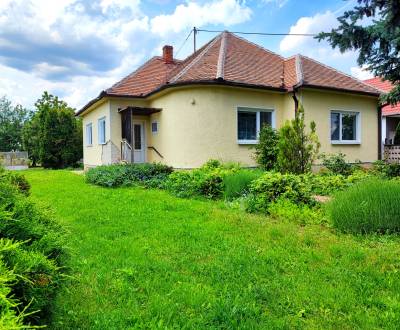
{"type": "Point", "coordinates": [76, 48]}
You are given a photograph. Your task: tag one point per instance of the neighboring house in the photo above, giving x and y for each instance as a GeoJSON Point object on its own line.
{"type": "Point", "coordinates": [390, 113]}
{"type": "Point", "coordinates": [213, 103]}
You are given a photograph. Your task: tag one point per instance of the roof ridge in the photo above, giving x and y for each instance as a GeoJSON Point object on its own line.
{"type": "Point", "coordinates": [343, 73]}
{"type": "Point", "coordinates": [195, 60]}
{"type": "Point", "coordinates": [254, 44]}
{"type": "Point", "coordinates": [299, 69]}
{"type": "Point", "coordinates": [221, 57]}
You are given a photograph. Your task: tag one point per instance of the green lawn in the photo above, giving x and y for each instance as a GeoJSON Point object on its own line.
{"type": "Point", "coordinates": [144, 259]}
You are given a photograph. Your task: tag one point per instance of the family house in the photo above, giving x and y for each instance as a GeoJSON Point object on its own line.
{"type": "Point", "coordinates": [213, 103]}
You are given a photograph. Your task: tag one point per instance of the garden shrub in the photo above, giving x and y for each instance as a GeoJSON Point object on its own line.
{"type": "Point", "coordinates": [150, 175]}
{"type": "Point", "coordinates": [386, 170]}
{"type": "Point", "coordinates": [273, 186]}
{"type": "Point", "coordinates": [32, 252]}
{"type": "Point", "coordinates": [237, 184]}
{"type": "Point", "coordinates": [267, 148]}
{"type": "Point", "coordinates": [336, 163]}
{"type": "Point", "coordinates": [369, 206]}
{"type": "Point", "coordinates": [286, 210]}
{"type": "Point", "coordinates": [16, 179]}
{"type": "Point", "coordinates": [206, 181]}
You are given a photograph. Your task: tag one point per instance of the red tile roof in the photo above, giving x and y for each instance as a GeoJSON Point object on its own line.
{"type": "Point", "coordinates": [229, 59]}
{"type": "Point", "coordinates": [384, 86]}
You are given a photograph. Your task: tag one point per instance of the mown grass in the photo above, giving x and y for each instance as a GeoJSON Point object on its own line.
{"type": "Point", "coordinates": [144, 259]}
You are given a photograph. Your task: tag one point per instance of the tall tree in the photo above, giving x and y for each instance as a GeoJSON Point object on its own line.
{"type": "Point", "coordinates": [377, 39]}
{"type": "Point", "coordinates": [54, 135]}
{"type": "Point", "coordinates": [12, 120]}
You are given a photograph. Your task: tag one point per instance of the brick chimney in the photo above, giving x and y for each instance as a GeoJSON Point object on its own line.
{"type": "Point", "coordinates": [168, 54]}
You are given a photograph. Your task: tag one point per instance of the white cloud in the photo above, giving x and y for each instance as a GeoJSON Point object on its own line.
{"type": "Point", "coordinates": [361, 73]}
{"type": "Point", "coordinates": [279, 3]}
{"type": "Point", "coordinates": [308, 25]}
{"type": "Point", "coordinates": [226, 12]}
{"type": "Point", "coordinates": [107, 5]}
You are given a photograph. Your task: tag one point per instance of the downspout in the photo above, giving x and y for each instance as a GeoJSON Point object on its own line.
{"type": "Point", "coordinates": [380, 132]}
{"type": "Point", "coordinates": [296, 102]}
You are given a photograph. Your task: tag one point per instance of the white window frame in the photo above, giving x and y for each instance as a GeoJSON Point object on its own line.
{"type": "Point", "coordinates": [89, 133]}
{"type": "Point", "coordinates": [101, 141]}
{"type": "Point", "coordinates": [358, 127]}
{"type": "Point", "coordinates": [257, 111]}
{"type": "Point", "coordinates": [151, 127]}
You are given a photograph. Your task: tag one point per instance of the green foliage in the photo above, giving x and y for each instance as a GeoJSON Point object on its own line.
{"type": "Point", "coordinates": [200, 182]}
{"type": "Point", "coordinates": [378, 42]}
{"type": "Point", "coordinates": [370, 206]}
{"type": "Point", "coordinates": [336, 163]}
{"type": "Point", "coordinates": [237, 184]}
{"type": "Point", "coordinates": [267, 148]}
{"type": "Point", "coordinates": [273, 186]}
{"type": "Point", "coordinates": [31, 249]}
{"type": "Point", "coordinates": [286, 210]}
{"type": "Point", "coordinates": [297, 149]}
{"type": "Point", "coordinates": [12, 120]}
{"type": "Point", "coordinates": [386, 170]}
{"type": "Point", "coordinates": [150, 175]}
{"type": "Point", "coordinates": [53, 137]}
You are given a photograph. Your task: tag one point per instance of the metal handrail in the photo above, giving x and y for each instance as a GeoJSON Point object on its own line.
{"type": "Point", "coordinates": [156, 151]}
{"type": "Point", "coordinates": [125, 148]}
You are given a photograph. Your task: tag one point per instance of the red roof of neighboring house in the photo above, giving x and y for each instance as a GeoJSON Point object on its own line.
{"type": "Point", "coordinates": [384, 86]}
{"type": "Point", "coordinates": [230, 60]}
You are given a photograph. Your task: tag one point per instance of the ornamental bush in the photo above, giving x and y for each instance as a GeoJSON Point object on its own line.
{"type": "Point", "coordinates": [32, 252]}
{"type": "Point", "coordinates": [336, 163]}
{"type": "Point", "coordinates": [267, 148]}
{"type": "Point", "coordinates": [273, 186]}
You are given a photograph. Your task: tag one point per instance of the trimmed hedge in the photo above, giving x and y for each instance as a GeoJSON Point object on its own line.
{"type": "Point", "coordinates": [32, 251]}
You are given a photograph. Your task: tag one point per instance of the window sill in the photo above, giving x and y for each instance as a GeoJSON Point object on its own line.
{"type": "Point", "coordinates": [89, 145]}
{"type": "Point", "coordinates": [346, 142]}
{"type": "Point", "coordinates": [102, 144]}
{"type": "Point", "coordinates": [247, 142]}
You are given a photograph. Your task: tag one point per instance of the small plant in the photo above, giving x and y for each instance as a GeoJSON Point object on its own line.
{"type": "Point", "coordinates": [370, 206]}
{"type": "Point", "coordinates": [273, 186]}
{"type": "Point", "coordinates": [336, 163]}
{"type": "Point", "coordinates": [297, 149]}
{"type": "Point", "coordinates": [238, 183]}
{"type": "Point", "coordinates": [267, 148]}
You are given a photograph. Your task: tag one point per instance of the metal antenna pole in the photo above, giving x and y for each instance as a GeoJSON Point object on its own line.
{"type": "Point", "coordinates": [194, 39]}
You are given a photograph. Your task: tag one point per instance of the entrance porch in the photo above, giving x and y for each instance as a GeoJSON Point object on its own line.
{"type": "Point", "coordinates": [134, 133]}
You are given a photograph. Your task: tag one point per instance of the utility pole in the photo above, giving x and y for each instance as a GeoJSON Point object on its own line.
{"type": "Point", "coordinates": [194, 39]}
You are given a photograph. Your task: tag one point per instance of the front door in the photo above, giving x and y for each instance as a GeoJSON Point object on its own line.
{"type": "Point", "coordinates": [139, 143]}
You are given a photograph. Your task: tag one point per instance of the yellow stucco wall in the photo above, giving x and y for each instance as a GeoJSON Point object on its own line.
{"type": "Point", "coordinates": [92, 155]}
{"type": "Point", "coordinates": [200, 122]}
{"type": "Point", "coordinates": [318, 106]}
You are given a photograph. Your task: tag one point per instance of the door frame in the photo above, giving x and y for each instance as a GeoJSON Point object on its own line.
{"type": "Point", "coordinates": [142, 123]}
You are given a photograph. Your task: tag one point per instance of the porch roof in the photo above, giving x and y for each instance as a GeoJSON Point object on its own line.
{"type": "Point", "coordinates": [141, 111]}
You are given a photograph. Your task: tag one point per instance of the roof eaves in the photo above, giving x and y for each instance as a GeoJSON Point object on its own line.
{"type": "Point", "coordinates": [345, 90]}
{"type": "Point", "coordinates": [345, 74]}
